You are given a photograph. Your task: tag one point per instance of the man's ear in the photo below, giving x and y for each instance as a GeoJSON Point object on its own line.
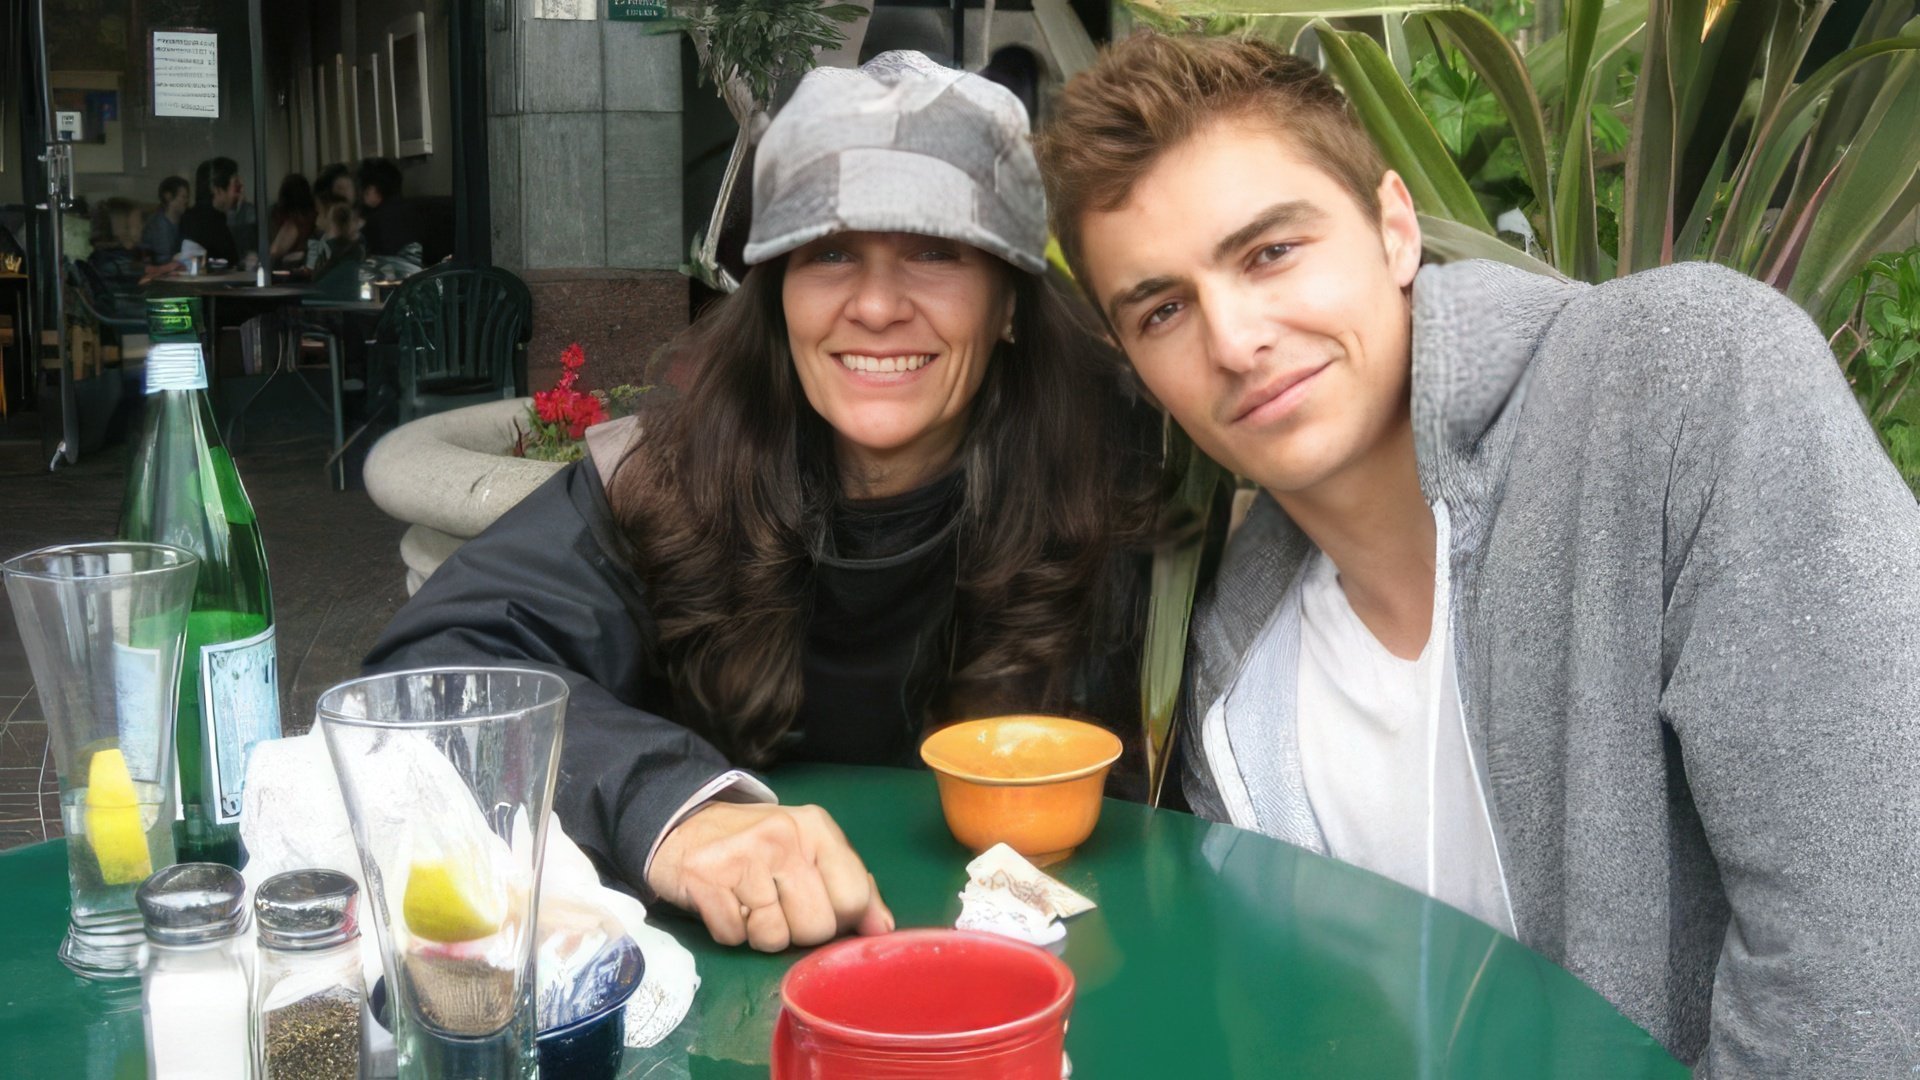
{"type": "Point", "coordinates": [1399, 229]}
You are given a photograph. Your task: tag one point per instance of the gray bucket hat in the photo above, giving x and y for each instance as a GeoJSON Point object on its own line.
{"type": "Point", "coordinates": [900, 145]}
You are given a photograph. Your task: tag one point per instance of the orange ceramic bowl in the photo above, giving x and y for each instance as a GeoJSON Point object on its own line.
{"type": "Point", "coordinates": [1031, 782]}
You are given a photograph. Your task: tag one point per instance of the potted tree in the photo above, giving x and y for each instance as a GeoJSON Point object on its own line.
{"type": "Point", "coordinates": [753, 52]}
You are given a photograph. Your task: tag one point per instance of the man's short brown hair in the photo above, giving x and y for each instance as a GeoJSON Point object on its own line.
{"type": "Point", "coordinates": [1149, 92]}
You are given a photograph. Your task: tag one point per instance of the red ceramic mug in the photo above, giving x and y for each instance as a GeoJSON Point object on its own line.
{"type": "Point", "coordinates": [925, 1004]}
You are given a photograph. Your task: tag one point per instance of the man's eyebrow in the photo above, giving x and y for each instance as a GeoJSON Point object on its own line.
{"type": "Point", "coordinates": [1126, 298]}
{"type": "Point", "coordinates": [1281, 215]}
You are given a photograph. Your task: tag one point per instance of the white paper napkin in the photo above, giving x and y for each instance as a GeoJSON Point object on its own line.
{"type": "Point", "coordinates": [1009, 896]}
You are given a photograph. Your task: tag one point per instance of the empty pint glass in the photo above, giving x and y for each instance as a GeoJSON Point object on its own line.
{"type": "Point", "coordinates": [448, 775]}
{"type": "Point", "coordinates": [102, 625]}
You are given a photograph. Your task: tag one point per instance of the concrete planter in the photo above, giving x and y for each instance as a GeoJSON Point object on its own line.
{"type": "Point", "coordinates": [449, 476]}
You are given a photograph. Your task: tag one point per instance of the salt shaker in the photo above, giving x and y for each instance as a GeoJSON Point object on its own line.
{"type": "Point", "coordinates": [194, 986]}
{"type": "Point", "coordinates": [308, 989]}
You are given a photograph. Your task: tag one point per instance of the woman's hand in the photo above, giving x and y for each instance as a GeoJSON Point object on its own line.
{"type": "Point", "coordinates": [771, 876]}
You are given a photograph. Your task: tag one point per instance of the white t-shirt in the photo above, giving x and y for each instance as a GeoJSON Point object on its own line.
{"type": "Point", "coordinates": [1385, 757]}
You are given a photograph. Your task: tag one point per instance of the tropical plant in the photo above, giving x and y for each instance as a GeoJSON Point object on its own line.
{"type": "Point", "coordinates": [749, 50]}
{"type": "Point", "coordinates": [1878, 345]}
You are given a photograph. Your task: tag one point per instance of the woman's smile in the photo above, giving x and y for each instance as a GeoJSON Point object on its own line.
{"type": "Point", "coordinates": [885, 368]}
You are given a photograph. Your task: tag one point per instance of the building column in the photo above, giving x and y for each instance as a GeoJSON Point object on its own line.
{"type": "Point", "coordinates": [584, 124]}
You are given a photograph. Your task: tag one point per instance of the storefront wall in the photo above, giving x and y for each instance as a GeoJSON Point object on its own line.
{"type": "Point", "coordinates": [350, 33]}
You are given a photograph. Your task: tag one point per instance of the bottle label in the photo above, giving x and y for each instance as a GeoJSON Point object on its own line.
{"type": "Point", "coordinates": [239, 709]}
{"type": "Point", "coordinates": [175, 365]}
{"type": "Point", "coordinates": [139, 699]}
{"type": "Point", "coordinates": [171, 315]}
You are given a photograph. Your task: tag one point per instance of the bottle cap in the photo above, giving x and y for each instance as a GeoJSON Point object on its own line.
{"type": "Point", "coordinates": [193, 904]}
{"type": "Point", "coordinates": [302, 910]}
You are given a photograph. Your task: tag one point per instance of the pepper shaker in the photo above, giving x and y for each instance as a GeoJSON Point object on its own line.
{"type": "Point", "coordinates": [194, 985]}
{"type": "Point", "coordinates": [309, 989]}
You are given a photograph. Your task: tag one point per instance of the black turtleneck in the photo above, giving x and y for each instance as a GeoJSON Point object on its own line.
{"type": "Point", "coordinates": [878, 639]}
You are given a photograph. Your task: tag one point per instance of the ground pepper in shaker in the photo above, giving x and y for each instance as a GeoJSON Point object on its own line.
{"type": "Point", "coordinates": [194, 992]}
{"type": "Point", "coordinates": [308, 989]}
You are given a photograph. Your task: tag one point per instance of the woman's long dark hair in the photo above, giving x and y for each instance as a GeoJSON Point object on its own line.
{"type": "Point", "coordinates": [729, 493]}
{"type": "Point", "coordinates": [296, 195]}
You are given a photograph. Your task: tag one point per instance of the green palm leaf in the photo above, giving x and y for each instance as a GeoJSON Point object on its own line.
{"type": "Point", "coordinates": [1175, 579]}
{"type": "Point", "coordinates": [1782, 140]}
{"type": "Point", "coordinates": [1501, 68]}
{"type": "Point", "coordinates": [1575, 222]}
{"type": "Point", "coordinates": [1160, 10]}
{"type": "Point", "coordinates": [1873, 189]}
{"type": "Point", "coordinates": [1404, 134]}
{"type": "Point", "coordinates": [1646, 218]}
{"type": "Point", "coordinates": [1449, 241]}
{"type": "Point", "coordinates": [1619, 23]}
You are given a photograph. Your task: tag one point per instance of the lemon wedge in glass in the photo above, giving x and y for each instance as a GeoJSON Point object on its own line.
{"type": "Point", "coordinates": [115, 829]}
{"type": "Point", "coordinates": [449, 902]}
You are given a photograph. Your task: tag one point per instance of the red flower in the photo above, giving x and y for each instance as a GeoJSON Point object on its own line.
{"type": "Point", "coordinates": [572, 409]}
{"type": "Point", "coordinates": [565, 413]}
{"type": "Point", "coordinates": [587, 412]}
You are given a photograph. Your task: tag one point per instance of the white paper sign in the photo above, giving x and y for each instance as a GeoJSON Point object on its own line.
{"type": "Point", "coordinates": [66, 126]}
{"type": "Point", "coordinates": [186, 74]}
{"type": "Point", "coordinates": [565, 9]}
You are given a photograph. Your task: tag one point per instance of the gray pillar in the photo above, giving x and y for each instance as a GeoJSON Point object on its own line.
{"type": "Point", "coordinates": [584, 137]}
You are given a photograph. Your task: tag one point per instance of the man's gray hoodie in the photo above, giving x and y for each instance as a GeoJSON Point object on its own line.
{"type": "Point", "coordinates": [1685, 594]}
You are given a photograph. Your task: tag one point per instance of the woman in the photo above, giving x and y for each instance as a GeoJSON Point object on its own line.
{"type": "Point", "coordinates": [889, 497]}
{"type": "Point", "coordinates": [337, 181]}
{"type": "Point", "coordinates": [337, 242]}
{"type": "Point", "coordinates": [292, 223]}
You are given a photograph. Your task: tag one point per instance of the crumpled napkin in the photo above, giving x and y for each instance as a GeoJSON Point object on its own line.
{"type": "Point", "coordinates": [1009, 896]}
{"type": "Point", "coordinates": [296, 819]}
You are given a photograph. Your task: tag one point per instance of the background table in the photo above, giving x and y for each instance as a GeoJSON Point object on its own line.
{"type": "Point", "coordinates": [1214, 953]}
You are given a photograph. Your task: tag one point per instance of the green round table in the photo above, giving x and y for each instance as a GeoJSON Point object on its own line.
{"type": "Point", "coordinates": [1214, 952]}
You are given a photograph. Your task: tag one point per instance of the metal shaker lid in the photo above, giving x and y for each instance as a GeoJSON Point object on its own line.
{"type": "Point", "coordinates": [306, 909]}
{"type": "Point", "coordinates": [193, 904]}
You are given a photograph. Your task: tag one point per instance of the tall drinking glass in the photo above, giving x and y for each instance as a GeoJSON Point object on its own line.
{"type": "Point", "coordinates": [448, 775]}
{"type": "Point", "coordinates": [103, 625]}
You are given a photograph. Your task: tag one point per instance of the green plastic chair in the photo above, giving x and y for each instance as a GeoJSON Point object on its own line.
{"type": "Point", "coordinates": [452, 336]}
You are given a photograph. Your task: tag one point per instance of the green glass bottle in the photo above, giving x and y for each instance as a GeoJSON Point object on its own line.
{"type": "Point", "coordinates": [183, 490]}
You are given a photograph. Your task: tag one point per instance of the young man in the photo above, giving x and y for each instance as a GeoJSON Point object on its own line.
{"type": "Point", "coordinates": [391, 221]}
{"type": "Point", "coordinates": [218, 189]}
{"type": "Point", "coordinates": [161, 238]}
{"type": "Point", "coordinates": [1592, 611]}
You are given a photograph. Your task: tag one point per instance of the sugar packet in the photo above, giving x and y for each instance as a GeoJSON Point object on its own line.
{"type": "Point", "coordinates": [1007, 895]}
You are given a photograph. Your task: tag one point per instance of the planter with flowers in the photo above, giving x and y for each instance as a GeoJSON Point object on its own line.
{"type": "Point", "coordinates": [558, 419]}
{"type": "Point", "coordinates": [450, 475]}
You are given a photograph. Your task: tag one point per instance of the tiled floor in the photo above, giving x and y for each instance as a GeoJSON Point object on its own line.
{"type": "Point", "coordinates": [29, 797]}
{"type": "Point", "coordinates": [335, 560]}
